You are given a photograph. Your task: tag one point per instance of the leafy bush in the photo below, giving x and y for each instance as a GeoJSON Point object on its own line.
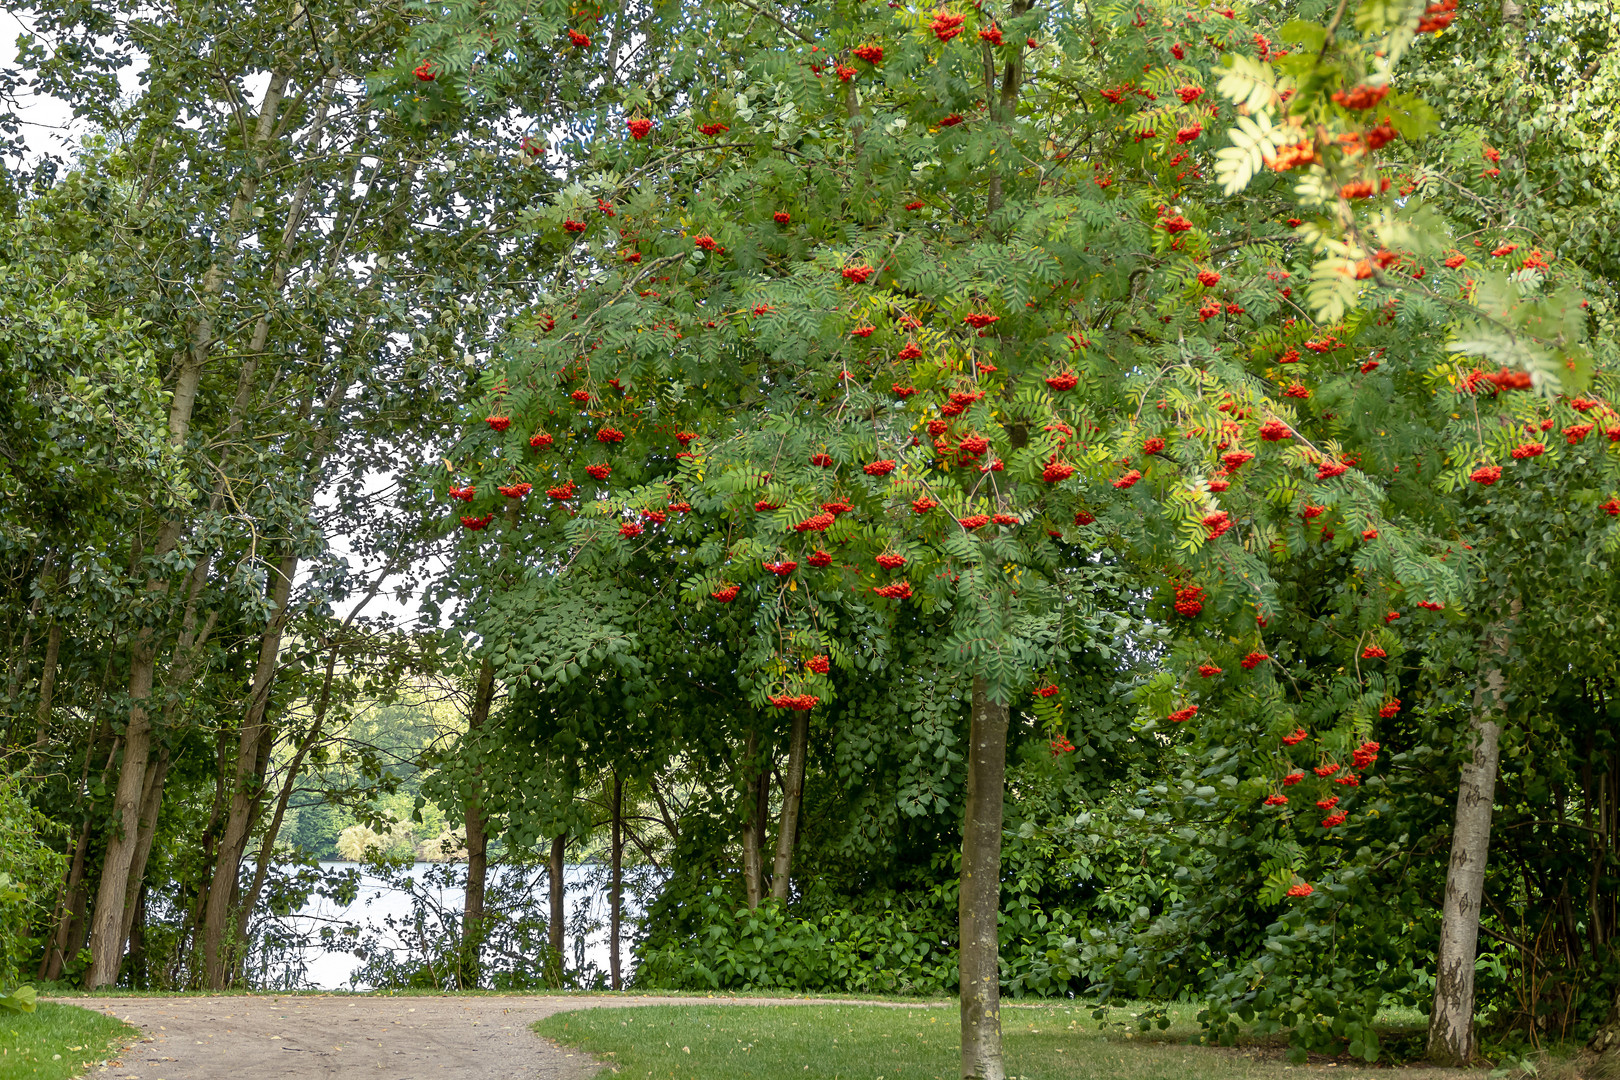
{"type": "Point", "coordinates": [29, 872]}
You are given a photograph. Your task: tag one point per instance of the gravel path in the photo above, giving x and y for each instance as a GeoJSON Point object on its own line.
{"type": "Point", "coordinates": [299, 1037]}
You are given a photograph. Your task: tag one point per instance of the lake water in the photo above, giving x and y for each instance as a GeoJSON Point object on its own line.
{"type": "Point", "coordinates": [379, 899]}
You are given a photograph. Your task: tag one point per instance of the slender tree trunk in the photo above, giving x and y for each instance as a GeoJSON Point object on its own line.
{"type": "Point", "coordinates": [472, 912]}
{"type": "Point", "coordinates": [1451, 1022]}
{"type": "Point", "coordinates": [47, 690]}
{"type": "Point", "coordinates": [616, 881]}
{"type": "Point", "coordinates": [787, 832]}
{"type": "Point", "coordinates": [137, 941]}
{"type": "Point", "coordinates": [106, 925]}
{"type": "Point", "coordinates": [753, 836]}
{"type": "Point", "coordinates": [558, 924]}
{"type": "Point", "coordinates": [69, 909]}
{"type": "Point", "coordinates": [151, 803]}
{"type": "Point", "coordinates": [261, 868]}
{"type": "Point", "coordinates": [979, 903]}
{"type": "Point", "coordinates": [247, 788]}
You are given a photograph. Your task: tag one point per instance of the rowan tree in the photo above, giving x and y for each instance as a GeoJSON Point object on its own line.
{"type": "Point", "coordinates": [914, 308]}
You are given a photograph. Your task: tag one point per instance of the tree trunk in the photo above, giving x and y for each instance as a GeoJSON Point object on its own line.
{"type": "Point", "coordinates": [1451, 1022]}
{"type": "Point", "coordinates": [979, 904]}
{"type": "Point", "coordinates": [151, 803]}
{"type": "Point", "coordinates": [69, 910]}
{"type": "Point", "coordinates": [787, 832]}
{"type": "Point", "coordinates": [106, 926]}
{"type": "Point", "coordinates": [558, 924]}
{"type": "Point", "coordinates": [472, 912]}
{"type": "Point", "coordinates": [753, 835]}
{"type": "Point", "coordinates": [248, 784]}
{"type": "Point", "coordinates": [47, 690]}
{"type": "Point", "coordinates": [137, 941]}
{"type": "Point", "coordinates": [261, 868]}
{"type": "Point", "coordinates": [616, 881]}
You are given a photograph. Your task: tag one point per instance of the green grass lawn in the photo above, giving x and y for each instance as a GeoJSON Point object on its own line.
{"type": "Point", "coordinates": [57, 1041]}
{"type": "Point", "coordinates": [853, 1042]}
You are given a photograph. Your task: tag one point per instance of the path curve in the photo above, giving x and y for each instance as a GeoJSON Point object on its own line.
{"type": "Point", "coordinates": [322, 1036]}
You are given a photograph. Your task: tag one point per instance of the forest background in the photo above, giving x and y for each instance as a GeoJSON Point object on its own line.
{"type": "Point", "coordinates": [582, 332]}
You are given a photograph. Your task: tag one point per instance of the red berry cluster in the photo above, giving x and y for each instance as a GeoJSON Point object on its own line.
{"type": "Point", "coordinates": [1300, 890]}
{"type": "Point", "coordinates": [1181, 716]}
{"type": "Point", "coordinates": [1365, 754]}
{"type": "Point", "coordinates": [1049, 690]}
{"type": "Point", "coordinates": [974, 521]}
{"type": "Point", "coordinates": [946, 26]}
{"type": "Point", "coordinates": [836, 508]}
{"type": "Point", "coordinates": [712, 130]}
{"type": "Point", "coordinates": [819, 523]}
{"type": "Point", "coordinates": [1208, 670]}
{"type": "Point", "coordinates": [796, 702]}
{"type": "Point", "coordinates": [631, 529]}
{"type": "Point", "coordinates": [499, 423]}
{"type": "Point", "coordinates": [599, 472]}
{"type": "Point", "coordinates": [878, 468]}
{"type": "Point", "coordinates": [1056, 471]}
{"type": "Point", "coordinates": [578, 40]}
{"type": "Point", "coordinates": [898, 590]}
{"type": "Point", "coordinates": [1253, 660]}
{"type": "Point", "coordinates": [540, 440]}
{"type": "Point", "coordinates": [782, 568]}
{"type": "Point", "coordinates": [819, 559]}
{"type": "Point", "coordinates": [1276, 799]}
{"type": "Point", "coordinates": [1005, 519]}
{"type": "Point", "coordinates": [1218, 523]}
{"type": "Point", "coordinates": [1373, 652]}
{"type": "Point", "coordinates": [1081, 517]}
{"type": "Point", "coordinates": [923, 505]}
{"type": "Point", "coordinates": [726, 594]}
{"type": "Point", "coordinates": [639, 128]}
{"type": "Point", "coordinates": [610, 435]}
{"type": "Point", "coordinates": [562, 491]}
{"type": "Point", "coordinates": [1189, 600]}
{"type": "Point", "coordinates": [1327, 769]}
{"type": "Point", "coordinates": [516, 491]}
{"type": "Point", "coordinates": [872, 54]}
{"type": "Point", "coordinates": [1293, 778]}
{"type": "Point", "coordinates": [1061, 745]}
{"type": "Point", "coordinates": [1294, 738]}
{"type": "Point", "coordinates": [477, 523]}
{"type": "Point", "coordinates": [890, 560]}
{"type": "Point", "coordinates": [465, 494]}
{"type": "Point", "coordinates": [1275, 430]}
{"type": "Point", "coordinates": [858, 274]}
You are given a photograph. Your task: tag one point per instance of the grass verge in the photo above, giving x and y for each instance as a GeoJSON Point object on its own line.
{"type": "Point", "coordinates": [57, 1041]}
{"type": "Point", "coordinates": [853, 1042]}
